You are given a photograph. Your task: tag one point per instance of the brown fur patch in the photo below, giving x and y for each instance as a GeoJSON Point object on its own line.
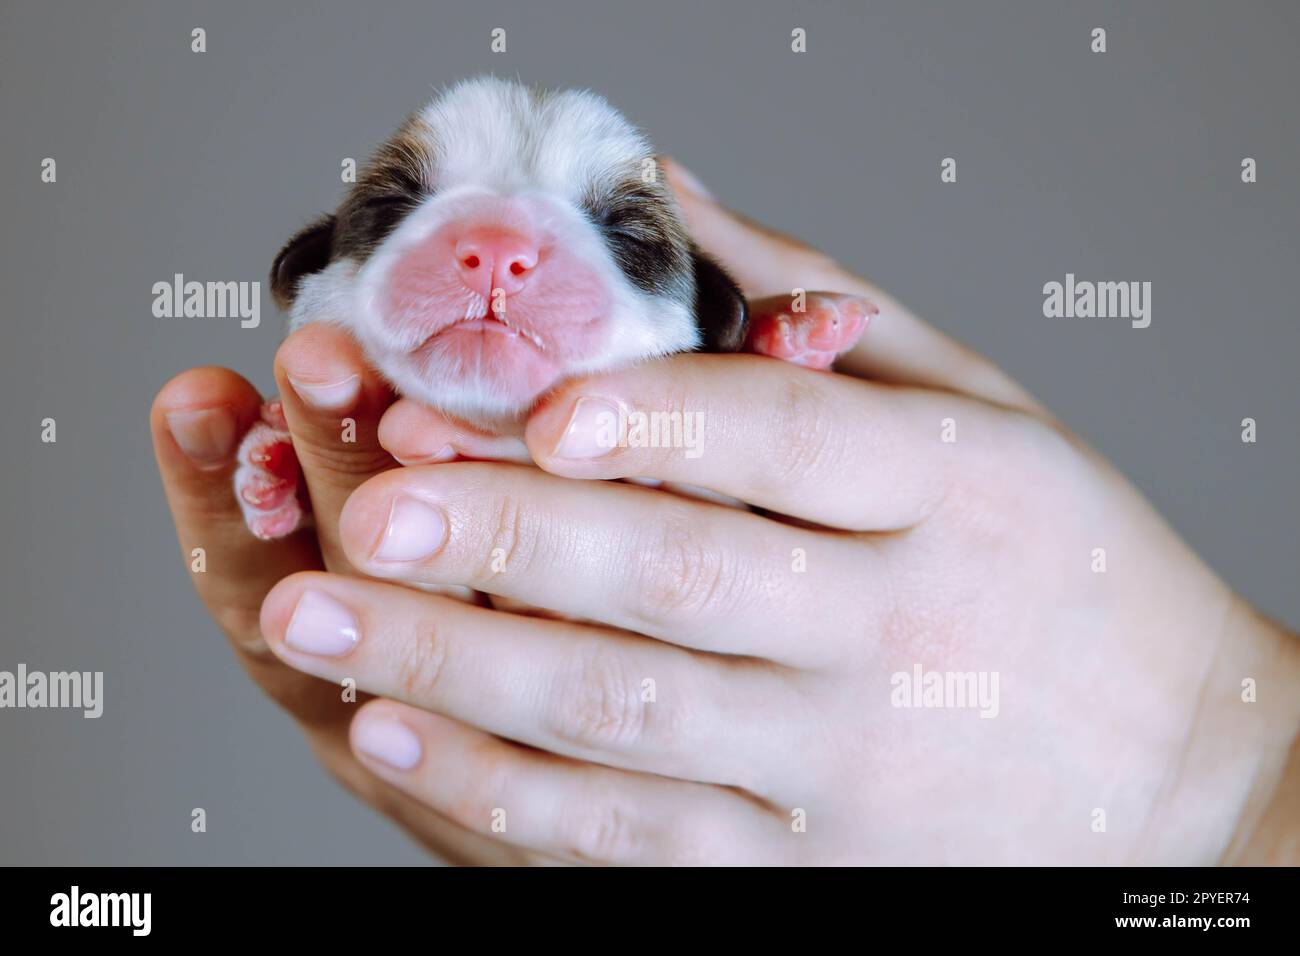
{"type": "Point", "coordinates": [392, 183]}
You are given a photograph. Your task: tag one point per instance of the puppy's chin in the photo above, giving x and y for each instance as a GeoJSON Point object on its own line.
{"type": "Point", "coordinates": [491, 384]}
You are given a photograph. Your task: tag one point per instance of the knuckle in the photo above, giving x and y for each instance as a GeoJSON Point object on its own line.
{"type": "Point", "coordinates": [598, 705]}
{"type": "Point", "coordinates": [694, 843]}
{"type": "Point", "coordinates": [420, 664]}
{"type": "Point", "coordinates": [600, 830]}
{"type": "Point", "coordinates": [483, 788]}
{"type": "Point", "coordinates": [329, 453]}
{"type": "Point", "coordinates": [682, 570]}
{"type": "Point", "coordinates": [1035, 466]}
{"type": "Point", "coordinates": [803, 437]}
{"type": "Point", "coordinates": [513, 537]}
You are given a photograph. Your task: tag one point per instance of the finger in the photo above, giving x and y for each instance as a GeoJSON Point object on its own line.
{"type": "Point", "coordinates": [416, 434]}
{"type": "Point", "coordinates": [579, 812]}
{"type": "Point", "coordinates": [197, 420]}
{"type": "Point", "coordinates": [899, 347]}
{"type": "Point", "coordinates": [588, 693]}
{"type": "Point", "coordinates": [689, 572]}
{"type": "Point", "coordinates": [452, 843]}
{"type": "Point", "coordinates": [333, 401]}
{"type": "Point", "coordinates": [828, 449]}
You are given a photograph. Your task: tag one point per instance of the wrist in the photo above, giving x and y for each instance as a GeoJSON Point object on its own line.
{"type": "Point", "coordinates": [1267, 830]}
{"type": "Point", "coordinates": [1274, 837]}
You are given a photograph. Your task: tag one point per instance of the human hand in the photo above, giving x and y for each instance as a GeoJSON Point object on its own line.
{"type": "Point", "coordinates": [197, 420]}
{"type": "Point", "coordinates": [1117, 732]}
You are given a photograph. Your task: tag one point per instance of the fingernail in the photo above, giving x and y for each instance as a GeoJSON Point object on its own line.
{"type": "Point", "coordinates": [388, 741]}
{"type": "Point", "coordinates": [205, 435]}
{"type": "Point", "coordinates": [592, 430]}
{"type": "Point", "coordinates": [329, 396]}
{"type": "Point", "coordinates": [446, 454]}
{"type": "Point", "coordinates": [415, 531]}
{"type": "Point", "coordinates": [321, 625]}
{"type": "Point", "coordinates": [687, 179]}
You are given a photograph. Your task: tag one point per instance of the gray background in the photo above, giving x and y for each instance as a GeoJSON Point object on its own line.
{"type": "Point", "coordinates": [1122, 166]}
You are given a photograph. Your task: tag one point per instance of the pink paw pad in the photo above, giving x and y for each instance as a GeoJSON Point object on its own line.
{"type": "Point", "coordinates": [829, 324]}
{"type": "Point", "coordinates": [268, 478]}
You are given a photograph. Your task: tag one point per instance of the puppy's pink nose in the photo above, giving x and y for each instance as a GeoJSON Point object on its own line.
{"type": "Point", "coordinates": [490, 259]}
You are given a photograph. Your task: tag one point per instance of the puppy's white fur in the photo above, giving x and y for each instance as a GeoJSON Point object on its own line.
{"type": "Point", "coordinates": [490, 136]}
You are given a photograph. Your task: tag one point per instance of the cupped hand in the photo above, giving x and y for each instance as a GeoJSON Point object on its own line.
{"type": "Point", "coordinates": [951, 633]}
{"type": "Point", "coordinates": [197, 421]}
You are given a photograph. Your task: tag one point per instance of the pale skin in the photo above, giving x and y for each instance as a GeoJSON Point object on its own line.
{"type": "Point", "coordinates": [1121, 734]}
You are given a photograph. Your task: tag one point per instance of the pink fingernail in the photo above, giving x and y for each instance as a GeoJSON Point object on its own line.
{"type": "Point", "coordinates": [205, 435]}
{"type": "Point", "coordinates": [329, 396]}
{"type": "Point", "coordinates": [592, 430]}
{"type": "Point", "coordinates": [387, 740]}
{"type": "Point", "coordinates": [321, 625]}
{"type": "Point", "coordinates": [446, 454]}
{"type": "Point", "coordinates": [416, 530]}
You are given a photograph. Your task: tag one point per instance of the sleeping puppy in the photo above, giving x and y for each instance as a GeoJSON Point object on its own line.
{"type": "Point", "coordinates": [505, 239]}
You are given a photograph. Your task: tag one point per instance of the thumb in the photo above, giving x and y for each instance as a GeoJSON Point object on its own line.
{"type": "Point", "coordinates": [763, 262]}
{"type": "Point", "coordinates": [898, 347]}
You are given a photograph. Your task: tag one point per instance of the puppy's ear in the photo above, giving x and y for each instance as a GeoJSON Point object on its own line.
{"type": "Point", "coordinates": [307, 252]}
{"type": "Point", "coordinates": [720, 312]}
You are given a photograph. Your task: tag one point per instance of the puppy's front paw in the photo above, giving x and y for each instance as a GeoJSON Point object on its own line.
{"type": "Point", "coordinates": [268, 477]}
{"type": "Point", "coordinates": [829, 324]}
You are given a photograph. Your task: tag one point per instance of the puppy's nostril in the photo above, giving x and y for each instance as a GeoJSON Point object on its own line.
{"type": "Point", "coordinates": [517, 268]}
{"type": "Point", "coordinates": [471, 262]}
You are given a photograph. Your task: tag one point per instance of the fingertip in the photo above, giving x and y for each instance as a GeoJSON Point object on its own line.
{"type": "Point", "coordinates": [579, 429]}
{"type": "Point", "coordinates": [364, 516]}
{"type": "Point", "coordinates": [324, 368]}
{"type": "Point", "coordinates": [199, 416]}
{"type": "Point", "coordinates": [387, 736]}
{"type": "Point", "coordinates": [416, 434]}
{"type": "Point", "coordinates": [279, 603]}
{"type": "Point", "coordinates": [546, 426]}
{"type": "Point", "coordinates": [398, 520]}
{"type": "Point", "coordinates": [319, 347]}
{"type": "Point", "coordinates": [205, 386]}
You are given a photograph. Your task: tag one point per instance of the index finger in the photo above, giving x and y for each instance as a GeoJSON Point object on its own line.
{"type": "Point", "coordinates": [838, 451]}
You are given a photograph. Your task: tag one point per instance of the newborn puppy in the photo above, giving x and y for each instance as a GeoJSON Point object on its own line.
{"type": "Point", "coordinates": [503, 240]}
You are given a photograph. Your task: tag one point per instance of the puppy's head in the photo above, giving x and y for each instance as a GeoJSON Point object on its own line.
{"type": "Point", "coordinates": [502, 240]}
